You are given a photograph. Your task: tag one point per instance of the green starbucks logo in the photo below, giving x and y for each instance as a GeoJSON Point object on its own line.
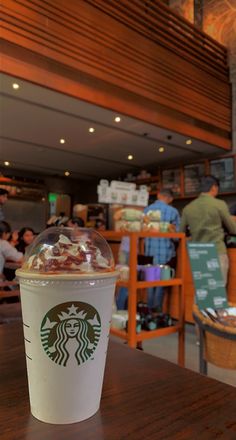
{"type": "Point", "coordinates": [70, 333]}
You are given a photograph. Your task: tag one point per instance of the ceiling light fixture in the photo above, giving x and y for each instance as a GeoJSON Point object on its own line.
{"type": "Point", "coordinates": [62, 141]}
{"type": "Point", "coordinates": [91, 130]}
{"type": "Point", "coordinates": [188, 141]}
{"type": "Point", "coordinates": [161, 149]}
{"type": "Point", "coordinates": [6, 163]}
{"type": "Point", "coordinates": [117, 119]}
{"type": "Point", "coordinates": [67, 173]}
{"type": "Point", "coordinates": [15, 86]}
{"type": "Point", "coordinates": [130, 157]}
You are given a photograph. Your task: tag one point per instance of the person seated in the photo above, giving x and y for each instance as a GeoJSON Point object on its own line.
{"type": "Point", "coordinates": [75, 222]}
{"type": "Point", "coordinates": [7, 251]}
{"type": "Point", "coordinates": [13, 238]}
{"type": "Point", "coordinates": [100, 224]}
{"type": "Point", "coordinates": [55, 220]}
{"type": "Point", "coordinates": [61, 220]}
{"type": "Point", "coordinates": [25, 238]}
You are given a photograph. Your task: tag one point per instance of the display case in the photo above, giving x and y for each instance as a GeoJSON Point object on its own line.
{"type": "Point", "coordinates": [192, 178]}
{"type": "Point", "coordinates": [171, 179]}
{"type": "Point", "coordinates": [224, 170]}
{"type": "Point", "coordinates": [184, 181]}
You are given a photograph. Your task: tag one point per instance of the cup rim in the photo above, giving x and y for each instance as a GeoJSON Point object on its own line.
{"type": "Point", "coordinates": [66, 276]}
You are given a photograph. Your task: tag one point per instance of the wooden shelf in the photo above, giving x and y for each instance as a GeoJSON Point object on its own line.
{"type": "Point", "coordinates": [163, 331]}
{"type": "Point", "coordinates": [120, 333]}
{"type": "Point", "coordinates": [183, 195]}
{"type": "Point", "coordinates": [134, 285]}
{"type": "Point", "coordinates": [152, 179]}
{"type": "Point", "coordinates": [145, 334]}
{"type": "Point", "coordinates": [121, 283]}
{"type": "Point", "coordinates": [147, 284]}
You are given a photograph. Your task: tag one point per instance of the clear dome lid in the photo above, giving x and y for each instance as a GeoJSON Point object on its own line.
{"type": "Point", "coordinates": [67, 250]}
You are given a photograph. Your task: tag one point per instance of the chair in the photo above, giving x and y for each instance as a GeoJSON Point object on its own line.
{"type": "Point", "coordinates": [9, 312]}
{"type": "Point", "coordinates": [217, 343]}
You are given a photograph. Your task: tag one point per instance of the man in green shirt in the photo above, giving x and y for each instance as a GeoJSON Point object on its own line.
{"type": "Point", "coordinates": [207, 218]}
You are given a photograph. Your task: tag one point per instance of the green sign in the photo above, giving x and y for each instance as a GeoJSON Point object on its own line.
{"type": "Point", "coordinates": [208, 281]}
{"type": "Point", "coordinates": [52, 197]}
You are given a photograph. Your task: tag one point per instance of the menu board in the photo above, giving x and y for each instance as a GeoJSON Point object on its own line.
{"type": "Point", "coordinates": [208, 281]}
{"type": "Point", "coordinates": [171, 179]}
{"type": "Point", "coordinates": [224, 170]}
{"type": "Point", "coordinates": [192, 178]}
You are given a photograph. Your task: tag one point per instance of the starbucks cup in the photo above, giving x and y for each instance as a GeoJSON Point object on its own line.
{"type": "Point", "coordinates": [67, 287]}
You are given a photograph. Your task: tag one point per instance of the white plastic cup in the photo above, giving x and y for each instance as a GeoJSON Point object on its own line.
{"type": "Point", "coordinates": [66, 320]}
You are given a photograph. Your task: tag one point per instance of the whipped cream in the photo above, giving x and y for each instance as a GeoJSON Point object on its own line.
{"type": "Point", "coordinates": [66, 255]}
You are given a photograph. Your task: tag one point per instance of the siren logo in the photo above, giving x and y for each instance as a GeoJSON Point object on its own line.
{"type": "Point", "coordinates": [70, 333]}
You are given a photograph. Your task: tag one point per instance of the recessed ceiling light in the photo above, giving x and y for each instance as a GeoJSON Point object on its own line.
{"type": "Point", "coordinates": [15, 86]}
{"type": "Point", "coordinates": [189, 141]}
{"type": "Point", "coordinates": [130, 157]}
{"type": "Point", "coordinates": [67, 173]}
{"type": "Point", "coordinates": [161, 149]}
{"type": "Point", "coordinates": [6, 163]}
{"type": "Point", "coordinates": [91, 130]}
{"type": "Point", "coordinates": [117, 119]}
{"type": "Point", "coordinates": [62, 141]}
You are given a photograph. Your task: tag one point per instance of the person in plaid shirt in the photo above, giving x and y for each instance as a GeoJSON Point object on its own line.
{"type": "Point", "coordinates": [162, 249]}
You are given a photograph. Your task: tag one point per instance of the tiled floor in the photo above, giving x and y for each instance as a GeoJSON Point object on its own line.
{"type": "Point", "coordinates": [166, 347]}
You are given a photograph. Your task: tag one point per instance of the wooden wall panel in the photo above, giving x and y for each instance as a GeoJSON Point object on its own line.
{"type": "Point", "coordinates": [97, 39]}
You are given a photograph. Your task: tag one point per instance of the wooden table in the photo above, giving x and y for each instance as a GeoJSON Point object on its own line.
{"type": "Point", "coordinates": [143, 398]}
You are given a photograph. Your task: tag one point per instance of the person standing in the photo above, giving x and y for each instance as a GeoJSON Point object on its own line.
{"type": "Point", "coordinates": [162, 249]}
{"type": "Point", "coordinates": [3, 198]}
{"type": "Point", "coordinates": [207, 219]}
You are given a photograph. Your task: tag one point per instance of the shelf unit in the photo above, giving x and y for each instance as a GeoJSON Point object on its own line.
{"type": "Point", "coordinates": [23, 189]}
{"type": "Point", "coordinates": [133, 285]}
{"type": "Point", "coordinates": [183, 195]}
{"type": "Point", "coordinates": [150, 182]}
